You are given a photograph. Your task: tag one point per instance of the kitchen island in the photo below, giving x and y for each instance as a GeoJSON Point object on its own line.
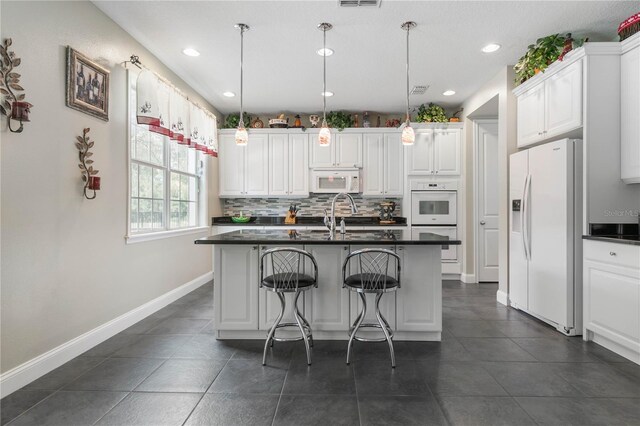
{"type": "Point", "coordinates": [243, 311]}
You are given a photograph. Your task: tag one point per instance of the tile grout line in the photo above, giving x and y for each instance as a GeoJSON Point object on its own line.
{"type": "Point", "coordinates": [275, 412]}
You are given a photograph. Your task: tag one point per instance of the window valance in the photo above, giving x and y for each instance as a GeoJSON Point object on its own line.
{"type": "Point", "coordinates": [167, 111]}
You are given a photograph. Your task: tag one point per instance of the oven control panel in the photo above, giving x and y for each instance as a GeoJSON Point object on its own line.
{"type": "Point", "coordinates": [421, 185]}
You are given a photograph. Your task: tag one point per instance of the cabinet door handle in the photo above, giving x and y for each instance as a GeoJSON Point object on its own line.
{"type": "Point", "coordinates": [345, 248]}
{"type": "Point", "coordinates": [612, 253]}
{"type": "Point", "coordinates": [437, 171]}
{"type": "Point", "coordinates": [255, 247]}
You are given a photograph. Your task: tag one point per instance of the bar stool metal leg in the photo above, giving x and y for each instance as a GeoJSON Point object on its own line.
{"type": "Point", "coordinates": [272, 331]}
{"type": "Point", "coordinates": [383, 325]}
{"type": "Point", "coordinates": [299, 320]}
{"type": "Point", "coordinates": [355, 328]}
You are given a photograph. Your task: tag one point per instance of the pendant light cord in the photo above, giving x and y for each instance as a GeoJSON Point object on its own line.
{"type": "Point", "coordinates": [324, 75]}
{"type": "Point", "coordinates": [408, 28]}
{"type": "Point", "coordinates": [241, 76]}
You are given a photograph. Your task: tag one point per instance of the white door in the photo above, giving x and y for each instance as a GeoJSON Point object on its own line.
{"type": "Point", "coordinates": [487, 201]}
{"type": "Point", "coordinates": [321, 155]}
{"type": "Point", "coordinates": [563, 100]}
{"type": "Point", "coordinates": [446, 152]}
{"type": "Point", "coordinates": [393, 165]}
{"type": "Point", "coordinates": [327, 307]}
{"type": "Point", "coordinates": [257, 166]}
{"type": "Point", "coordinates": [518, 261]}
{"type": "Point", "coordinates": [279, 164]}
{"type": "Point", "coordinates": [419, 156]}
{"type": "Point", "coordinates": [530, 111]}
{"type": "Point", "coordinates": [550, 212]}
{"type": "Point", "coordinates": [348, 149]}
{"type": "Point", "coordinates": [231, 166]}
{"type": "Point", "coordinates": [373, 165]}
{"type": "Point", "coordinates": [299, 165]}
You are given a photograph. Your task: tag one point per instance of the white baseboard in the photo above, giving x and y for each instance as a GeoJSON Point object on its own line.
{"type": "Point", "coordinates": [455, 277]}
{"type": "Point", "coordinates": [502, 297]}
{"type": "Point", "coordinates": [468, 278]}
{"type": "Point", "coordinates": [37, 367]}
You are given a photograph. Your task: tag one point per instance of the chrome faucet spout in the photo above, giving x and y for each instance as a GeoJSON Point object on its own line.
{"type": "Point", "coordinates": [332, 220]}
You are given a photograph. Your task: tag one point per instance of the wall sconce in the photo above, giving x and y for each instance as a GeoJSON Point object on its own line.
{"type": "Point", "coordinates": [91, 181]}
{"type": "Point", "coordinates": [13, 103]}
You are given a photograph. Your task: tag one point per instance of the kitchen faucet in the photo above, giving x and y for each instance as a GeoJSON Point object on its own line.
{"type": "Point", "coordinates": [331, 222]}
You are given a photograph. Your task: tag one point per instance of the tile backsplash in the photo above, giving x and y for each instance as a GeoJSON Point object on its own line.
{"type": "Point", "coordinates": [312, 206]}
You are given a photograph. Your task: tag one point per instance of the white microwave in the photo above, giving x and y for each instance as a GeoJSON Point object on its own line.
{"type": "Point", "coordinates": [332, 181]}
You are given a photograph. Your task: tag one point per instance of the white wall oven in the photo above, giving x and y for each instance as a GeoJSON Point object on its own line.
{"type": "Point", "coordinates": [449, 252]}
{"type": "Point", "coordinates": [434, 203]}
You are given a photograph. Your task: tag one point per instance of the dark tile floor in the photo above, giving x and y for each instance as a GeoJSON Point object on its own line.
{"type": "Point", "coordinates": [494, 366]}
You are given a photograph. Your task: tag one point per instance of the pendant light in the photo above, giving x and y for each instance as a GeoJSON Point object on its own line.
{"type": "Point", "coordinates": [242, 137]}
{"type": "Point", "coordinates": [324, 137]}
{"type": "Point", "coordinates": [408, 135]}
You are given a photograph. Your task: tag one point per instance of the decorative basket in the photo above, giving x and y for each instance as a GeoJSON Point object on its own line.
{"type": "Point", "coordinates": [629, 26]}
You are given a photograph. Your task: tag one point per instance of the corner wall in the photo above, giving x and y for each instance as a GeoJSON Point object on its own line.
{"type": "Point", "coordinates": [501, 85]}
{"type": "Point", "coordinates": [65, 267]}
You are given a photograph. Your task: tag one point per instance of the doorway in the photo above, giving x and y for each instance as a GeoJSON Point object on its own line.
{"type": "Point", "coordinates": [486, 199]}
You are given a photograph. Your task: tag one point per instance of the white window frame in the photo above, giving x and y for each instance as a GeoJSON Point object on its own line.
{"type": "Point", "coordinates": [201, 193]}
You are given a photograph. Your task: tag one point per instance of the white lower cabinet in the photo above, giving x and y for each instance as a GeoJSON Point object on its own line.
{"type": "Point", "coordinates": [612, 296]}
{"type": "Point", "coordinates": [237, 304]}
{"type": "Point", "coordinates": [419, 307]}
{"type": "Point", "coordinates": [327, 307]}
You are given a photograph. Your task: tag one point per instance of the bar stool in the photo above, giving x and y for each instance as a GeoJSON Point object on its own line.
{"type": "Point", "coordinates": [287, 266]}
{"type": "Point", "coordinates": [377, 271]}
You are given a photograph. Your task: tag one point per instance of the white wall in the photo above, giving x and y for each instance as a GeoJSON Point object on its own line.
{"type": "Point", "coordinates": [65, 267]}
{"type": "Point", "coordinates": [500, 85]}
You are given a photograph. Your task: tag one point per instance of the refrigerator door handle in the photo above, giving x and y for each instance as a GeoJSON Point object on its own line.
{"type": "Point", "coordinates": [525, 218]}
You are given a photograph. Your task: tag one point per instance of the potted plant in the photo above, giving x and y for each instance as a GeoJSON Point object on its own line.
{"type": "Point", "coordinates": [431, 113]}
{"type": "Point", "coordinates": [339, 120]}
{"type": "Point", "coordinates": [543, 53]}
{"type": "Point", "coordinates": [232, 121]}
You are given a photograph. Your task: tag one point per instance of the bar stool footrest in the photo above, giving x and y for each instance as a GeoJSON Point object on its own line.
{"type": "Point", "coordinates": [292, 339]}
{"type": "Point", "coordinates": [367, 339]}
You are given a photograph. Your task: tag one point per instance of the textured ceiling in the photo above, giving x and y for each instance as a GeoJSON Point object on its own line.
{"type": "Point", "coordinates": [284, 73]}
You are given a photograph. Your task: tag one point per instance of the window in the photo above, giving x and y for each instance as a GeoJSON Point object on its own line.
{"type": "Point", "coordinates": [165, 180]}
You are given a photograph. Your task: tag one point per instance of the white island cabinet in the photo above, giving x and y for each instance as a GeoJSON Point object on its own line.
{"type": "Point", "coordinates": [244, 311]}
{"type": "Point", "coordinates": [612, 296]}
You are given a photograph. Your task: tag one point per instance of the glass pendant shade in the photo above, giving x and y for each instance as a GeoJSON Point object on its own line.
{"type": "Point", "coordinates": [324, 137]}
{"type": "Point", "coordinates": [408, 135]}
{"type": "Point", "coordinates": [242, 137]}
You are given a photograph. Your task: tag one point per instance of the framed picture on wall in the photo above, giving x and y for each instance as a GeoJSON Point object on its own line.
{"type": "Point", "coordinates": [87, 85]}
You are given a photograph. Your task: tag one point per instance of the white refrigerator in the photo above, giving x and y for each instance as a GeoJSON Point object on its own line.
{"type": "Point", "coordinates": [545, 243]}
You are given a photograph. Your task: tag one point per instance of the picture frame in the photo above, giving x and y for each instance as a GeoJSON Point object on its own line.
{"type": "Point", "coordinates": [87, 88]}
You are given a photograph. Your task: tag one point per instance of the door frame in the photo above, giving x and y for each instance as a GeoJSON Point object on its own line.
{"type": "Point", "coordinates": [476, 199]}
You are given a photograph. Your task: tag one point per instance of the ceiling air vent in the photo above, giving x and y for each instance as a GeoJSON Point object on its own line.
{"type": "Point", "coordinates": [357, 3]}
{"type": "Point", "coordinates": [418, 90]}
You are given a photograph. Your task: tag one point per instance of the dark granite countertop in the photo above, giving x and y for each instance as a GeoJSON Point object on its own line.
{"type": "Point", "coordinates": [622, 233]}
{"type": "Point", "coordinates": [307, 221]}
{"type": "Point", "coordinates": [388, 237]}
{"type": "Point", "coordinates": [633, 240]}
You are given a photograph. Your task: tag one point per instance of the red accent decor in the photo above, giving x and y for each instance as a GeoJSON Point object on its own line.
{"type": "Point", "coordinates": [633, 19]}
{"type": "Point", "coordinates": [94, 182]}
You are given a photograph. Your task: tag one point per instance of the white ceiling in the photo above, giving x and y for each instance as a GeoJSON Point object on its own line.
{"type": "Point", "coordinates": [284, 73]}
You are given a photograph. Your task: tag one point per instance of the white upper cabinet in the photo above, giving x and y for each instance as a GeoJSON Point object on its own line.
{"type": "Point", "coordinates": [348, 149]}
{"type": "Point", "coordinates": [278, 159]}
{"type": "Point", "coordinates": [630, 123]}
{"type": "Point", "coordinates": [231, 167]}
{"type": "Point", "coordinates": [393, 165]}
{"type": "Point", "coordinates": [299, 165]}
{"type": "Point", "coordinates": [435, 152]}
{"type": "Point", "coordinates": [420, 154]}
{"type": "Point", "coordinates": [373, 165]}
{"type": "Point", "coordinates": [256, 166]}
{"type": "Point", "coordinates": [345, 151]}
{"type": "Point", "coordinates": [563, 101]}
{"type": "Point", "coordinates": [552, 107]}
{"type": "Point", "coordinates": [288, 165]}
{"type": "Point", "coordinates": [531, 116]}
{"type": "Point", "coordinates": [447, 152]}
{"type": "Point", "coordinates": [243, 170]}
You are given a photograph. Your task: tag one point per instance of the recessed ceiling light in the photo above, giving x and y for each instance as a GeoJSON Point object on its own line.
{"type": "Point", "coordinates": [325, 51]}
{"type": "Point", "coordinates": [191, 52]}
{"type": "Point", "coordinates": [490, 48]}
{"type": "Point", "coordinates": [229, 94]}
{"type": "Point", "coordinates": [327, 93]}
{"type": "Point", "coordinates": [449, 92]}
